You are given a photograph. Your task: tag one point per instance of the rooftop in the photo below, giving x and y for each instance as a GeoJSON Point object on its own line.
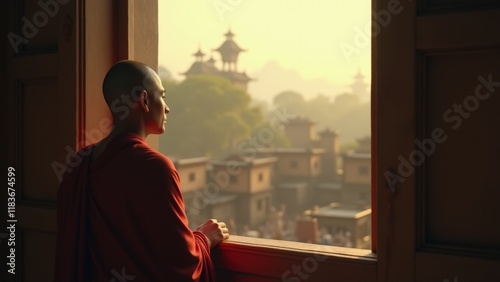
{"type": "Point", "coordinates": [330, 185]}
{"type": "Point", "coordinates": [338, 212]}
{"type": "Point", "coordinates": [235, 160]}
{"type": "Point", "coordinates": [282, 150]}
{"type": "Point", "coordinates": [354, 155]}
{"type": "Point", "coordinates": [189, 161]}
{"type": "Point", "coordinates": [221, 199]}
{"type": "Point", "coordinates": [293, 185]}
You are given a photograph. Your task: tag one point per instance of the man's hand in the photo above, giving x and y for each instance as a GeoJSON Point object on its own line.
{"type": "Point", "coordinates": [215, 232]}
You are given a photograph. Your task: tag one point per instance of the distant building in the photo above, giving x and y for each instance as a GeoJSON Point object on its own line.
{"type": "Point", "coordinates": [296, 172]}
{"type": "Point", "coordinates": [357, 176]}
{"type": "Point", "coordinates": [201, 67]}
{"type": "Point", "coordinates": [272, 193]}
{"type": "Point", "coordinates": [249, 180]}
{"type": "Point", "coordinates": [329, 141]}
{"type": "Point", "coordinates": [343, 226]}
{"type": "Point", "coordinates": [202, 201]}
{"type": "Point", "coordinates": [192, 173]}
{"type": "Point", "coordinates": [346, 221]}
{"type": "Point", "coordinates": [302, 134]}
{"type": "Point", "coordinates": [360, 88]}
{"type": "Point", "coordinates": [341, 202]}
{"type": "Point", "coordinates": [229, 52]}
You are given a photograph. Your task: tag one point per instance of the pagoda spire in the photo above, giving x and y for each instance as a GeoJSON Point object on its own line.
{"type": "Point", "coordinates": [229, 51]}
{"type": "Point", "coordinates": [211, 60]}
{"type": "Point", "coordinates": [199, 55]}
{"type": "Point", "coordinates": [360, 87]}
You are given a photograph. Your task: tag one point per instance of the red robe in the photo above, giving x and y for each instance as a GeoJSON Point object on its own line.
{"type": "Point", "coordinates": [121, 218]}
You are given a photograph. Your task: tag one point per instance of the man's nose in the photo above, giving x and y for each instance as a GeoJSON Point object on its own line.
{"type": "Point", "coordinates": [167, 109]}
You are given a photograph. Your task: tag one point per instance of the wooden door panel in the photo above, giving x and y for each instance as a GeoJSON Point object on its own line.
{"type": "Point", "coordinates": [458, 235]}
{"type": "Point", "coordinates": [38, 267]}
{"type": "Point", "coordinates": [440, 6]}
{"type": "Point", "coordinates": [52, 76]}
{"type": "Point", "coordinates": [457, 31]}
{"type": "Point", "coordinates": [41, 94]}
{"type": "Point", "coordinates": [40, 124]}
{"type": "Point", "coordinates": [37, 24]}
{"type": "Point", "coordinates": [431, 59]}
{"type": "Point", "coordinates": [461, 190]}
{"type": "Point", "coordinates": [452, 268]}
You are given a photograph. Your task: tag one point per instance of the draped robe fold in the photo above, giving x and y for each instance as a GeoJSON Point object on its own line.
{"type": "Point", "coordinates": [121, 218]}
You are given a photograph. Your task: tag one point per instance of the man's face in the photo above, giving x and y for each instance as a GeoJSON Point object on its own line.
{"type": "Point", "coordinates": [158, 109]}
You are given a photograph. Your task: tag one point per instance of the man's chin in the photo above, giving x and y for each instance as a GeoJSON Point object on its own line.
{"type": "Point", "coordinates": [159, 131]}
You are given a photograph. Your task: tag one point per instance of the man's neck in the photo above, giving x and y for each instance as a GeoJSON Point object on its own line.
{"type": "Point", "coordinates": [123, 127]}
{"type": "Point", "coordinates": [117, 130]}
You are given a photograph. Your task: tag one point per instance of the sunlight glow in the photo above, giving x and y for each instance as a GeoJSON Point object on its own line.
{"type": "Point", "coordinates": [301, 36]}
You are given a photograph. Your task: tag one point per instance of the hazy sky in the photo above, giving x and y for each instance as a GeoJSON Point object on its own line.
{"type": "Point", "coordinates": [304, 35]}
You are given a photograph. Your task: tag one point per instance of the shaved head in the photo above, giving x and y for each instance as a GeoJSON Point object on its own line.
{"type": "Point", "coordinates": [134, 93]}
{"type": "Point", "coordinates": [123, 78]}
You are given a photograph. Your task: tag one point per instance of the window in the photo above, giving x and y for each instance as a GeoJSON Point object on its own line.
{"type": "Point", "coordinates": [390, 49]}
{"type": "Point", "coordinates": [363, 170]}
{"type": "Point", "coordinates": [192, 177]}
{"type": "Point", "coordinates": [233, 178]}
{"type": "Point", "coordinates": [274, 48]}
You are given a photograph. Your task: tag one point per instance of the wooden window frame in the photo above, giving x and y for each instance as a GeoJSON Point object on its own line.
{"type": "Point", "coordinates": [279, 259]}
{"type": "Point", "coordinates": [391, 257]}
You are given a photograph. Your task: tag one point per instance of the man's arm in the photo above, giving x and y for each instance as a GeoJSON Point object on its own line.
{"type": "Point", "coordinates": [180, 252]}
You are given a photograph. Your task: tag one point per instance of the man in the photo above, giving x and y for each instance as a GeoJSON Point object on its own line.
{"type": "Point", "coordinates": [120, 212]}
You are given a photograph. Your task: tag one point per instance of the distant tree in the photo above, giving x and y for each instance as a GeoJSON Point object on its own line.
{"type": "Point", "coordinates": [354, 123]}
{"type": "Point", "coordinates": [347, 100]}
{"type": "Point", "coordinates": [293, 101]}
{"type": "Point", "coordinates": [264, 106]}
{"type": "Point", "coordinates": [207, 115]}
{"type": "Point", "coordinates": [319, 100]}
{"type": "Point", "coordinates": [346, 113]}
{"type": "Point", "coordinates": [268, 135]}
{"type": "Point", "coordinates": [319, 109]}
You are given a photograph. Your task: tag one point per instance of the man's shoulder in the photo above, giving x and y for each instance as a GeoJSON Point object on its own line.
{"type": "Point", "coordinates": [148, 156]}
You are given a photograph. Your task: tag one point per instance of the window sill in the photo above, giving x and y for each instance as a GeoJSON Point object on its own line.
{"type": "Point", "coordinates": [245, 258]}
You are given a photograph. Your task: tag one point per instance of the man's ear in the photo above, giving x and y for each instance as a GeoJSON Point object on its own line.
{"type": "Point", "coordinates": [143, 100]}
